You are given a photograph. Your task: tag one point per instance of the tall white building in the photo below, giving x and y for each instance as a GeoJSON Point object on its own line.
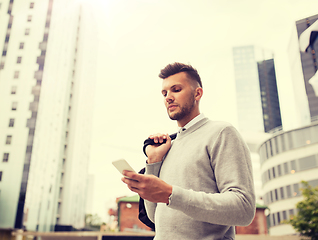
{"type": "Point", "coordinates": [295, 108]}
{"type": "Point", "coordinates": [46, 101]}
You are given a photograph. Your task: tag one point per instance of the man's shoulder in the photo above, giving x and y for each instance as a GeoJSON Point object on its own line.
{"type": "Point", "coordinates": [218, 124]}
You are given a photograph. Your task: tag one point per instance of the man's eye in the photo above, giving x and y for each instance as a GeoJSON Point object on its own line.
{"type": "Point", "coordinates": [177, 90]}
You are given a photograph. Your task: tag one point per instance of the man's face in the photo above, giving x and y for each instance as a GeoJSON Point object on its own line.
{"type": "Point", "coordinates": [179, 97]}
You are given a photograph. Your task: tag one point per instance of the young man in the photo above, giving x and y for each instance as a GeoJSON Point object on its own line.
{"type": "Point", "coordinates": [201, 185]}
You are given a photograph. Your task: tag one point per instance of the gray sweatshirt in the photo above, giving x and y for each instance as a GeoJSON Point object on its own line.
{"type": "Point", "coordinates": [210, 169]}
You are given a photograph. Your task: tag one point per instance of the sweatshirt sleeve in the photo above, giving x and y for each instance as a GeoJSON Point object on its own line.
{"type": "Point", "coordinates": [234, 204]}
{"type": "Point", "coordinates": [152, 169]}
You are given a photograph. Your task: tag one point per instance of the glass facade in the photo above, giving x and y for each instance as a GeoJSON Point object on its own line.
{"type": "Point", "coordinates": [256, 90]}
{"type": "Point", "coordinates": [247, 89]}
{"type": "Point", "coordinates": [269, 94]}
{"type": "Point", "coordinates": [309, 65]}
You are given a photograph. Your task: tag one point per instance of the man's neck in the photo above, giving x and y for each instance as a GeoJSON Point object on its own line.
{"type": "Point", "coordinates": [184, 122]}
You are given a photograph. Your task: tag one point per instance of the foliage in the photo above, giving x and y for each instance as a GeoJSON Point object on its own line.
{"type": "Point", "coordinates": [93, 221]}
{"type": "Point", "coordinates": [306, 220]}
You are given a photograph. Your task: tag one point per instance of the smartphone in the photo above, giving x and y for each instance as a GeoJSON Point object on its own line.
{"type": "Point", "coordinates": [122, 165]}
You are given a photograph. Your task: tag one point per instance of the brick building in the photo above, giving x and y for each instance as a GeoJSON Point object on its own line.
{"type": "Point", "coordinates": [128, 209]}
{"type": "Point", "coordinates": [258, 225]}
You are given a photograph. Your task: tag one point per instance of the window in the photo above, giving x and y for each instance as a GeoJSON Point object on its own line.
{"type": "Point", "coordinates": [286, 168]}
{"type": "Point", "coordinates": [29, 18]}
{"type": "Point", "coordinates": [288, 190]}
{"type": "Point", "coordinates": [13, 90]}
{"type": "Point", "coordinates": [19, 59]}
{"type": "Point", "coordinates": [279, 170]}
{"type": "Point", "coordinates": [270, 147]}
{"type": "Point", "coordinates": [278, 218]}
{"type": "Point", "coordinates": [8, 140]}
{"type": "Point", "coordinates": [283, 142]}
{"type": "Point", "coordinates": [11, 122]}
{"type": "Point", "coordinates": [273, 217]}
{"type": "Point", "coordinates": [271, 197]}
{"type": "Point", "coordinates": [307, 162]}
{"type": "Point", "coordinates": [0, 176]}
{"type": "Point", "coordinates": [276, 195]}
{"type": "Point", "coordinates": [14, 106]}
{"type": "Point", "coordinates": [1, 65]}
{"type": "Point", "coordinates": [32, 5]}
{"type": "Point", "coordinates": [29, 149]}
{"type": "Point", "coordinates": [21, 45]}
{"type": "Point", "coordinates": [27, 31]}
{"type": "Point", "coordinates": [5, 157]}
{"type": "Point", "coordinates": [31, 132]}
{"type": "Point", "coordinates": [4, 53]}
{"type": "Point", "coordinates": [293, 167]}
{"type": "Point", "coordinates": [296, 190]}
{"type": "Point", "coordinates": [282, 196]}
{"type": "Point", "coordinates": [276, 145]}
{"type": "Point", "coordinates": [16, 74]}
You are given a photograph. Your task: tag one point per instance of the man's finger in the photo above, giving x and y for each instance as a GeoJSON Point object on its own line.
{"type": "Point", "coordinates": [132, 175]}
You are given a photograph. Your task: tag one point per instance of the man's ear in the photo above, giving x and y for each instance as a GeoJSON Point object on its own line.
{"type": "Point", "coordinates": [198, 93]}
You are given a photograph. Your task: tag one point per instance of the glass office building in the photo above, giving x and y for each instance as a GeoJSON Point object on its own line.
{"type": "Point", "coordinates": [309, 65]}
{"type": "Point", "coordinates": [256, 90]}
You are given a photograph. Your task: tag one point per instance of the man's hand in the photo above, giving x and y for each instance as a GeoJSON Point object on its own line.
{"type": "Point", "coordinates": [156, 152]}
{"type": "Point", "coordinates": [148, 187]}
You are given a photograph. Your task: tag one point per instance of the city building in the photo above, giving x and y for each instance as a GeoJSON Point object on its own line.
{"type": "Point", "coordinates": [128, 210]}
{"type": "Point", "coordinates": [294, 103]}
{"type": "Point", "coordinates": [254, 141]}
{"type": "Point", "coordinates": [256, 90]}
{"type": "Point", "coordinates": [46, 88]}
{"type": "Point", "coordinates": [287, 158]}
{"type": "Point", "coordinates": [308, 56]}
{"type": "Point", "coordinates": [258, 225]}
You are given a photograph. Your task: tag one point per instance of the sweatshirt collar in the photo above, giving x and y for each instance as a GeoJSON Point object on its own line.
{"type": "Point", "coordinates": [192, 122]}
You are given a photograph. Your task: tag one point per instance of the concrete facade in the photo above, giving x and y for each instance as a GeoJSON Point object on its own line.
{"type": "Point", "coordinates": [287, 159]}
{"type": "Point", "coordinates": [46, 89]}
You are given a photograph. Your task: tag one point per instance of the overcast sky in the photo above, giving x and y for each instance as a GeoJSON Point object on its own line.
{"type": "Point", "coordinates": [137, 38]}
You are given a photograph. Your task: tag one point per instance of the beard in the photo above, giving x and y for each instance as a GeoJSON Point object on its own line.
{"type": "Point", "coordinates": [184, 111]}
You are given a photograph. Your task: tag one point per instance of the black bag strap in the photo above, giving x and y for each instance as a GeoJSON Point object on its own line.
{"type": "Point", "coordinates": [149, 141]}
{"type": "Point", "coordinates": [142, 216]}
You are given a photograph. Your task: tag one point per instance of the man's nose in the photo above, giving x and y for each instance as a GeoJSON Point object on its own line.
{"type": "Point", "coordinates": [169, 98]}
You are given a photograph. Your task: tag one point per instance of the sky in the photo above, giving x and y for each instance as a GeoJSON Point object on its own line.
{"type": "Point", "coordinates": [137, 38]}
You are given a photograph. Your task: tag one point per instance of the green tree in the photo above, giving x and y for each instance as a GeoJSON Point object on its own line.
{"type": "Point", "coordinates": [306, 220]}
{"type": "Point", "coordinates": [93, 221]}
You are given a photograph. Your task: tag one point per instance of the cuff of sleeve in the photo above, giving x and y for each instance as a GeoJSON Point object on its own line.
{"type": "Point", "coordinates": [153, 168]}
{"type": "Point", "coordinates": [178, 198]}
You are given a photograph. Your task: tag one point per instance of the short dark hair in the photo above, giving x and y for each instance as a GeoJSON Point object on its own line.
{"type": "Point", "coordinates": [177, 67]}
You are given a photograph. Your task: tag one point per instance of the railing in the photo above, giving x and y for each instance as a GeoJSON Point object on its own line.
{"type": "Point", "coordinates": [314, 119]}
{"type": "Point", "coordinates": [276, 130]}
